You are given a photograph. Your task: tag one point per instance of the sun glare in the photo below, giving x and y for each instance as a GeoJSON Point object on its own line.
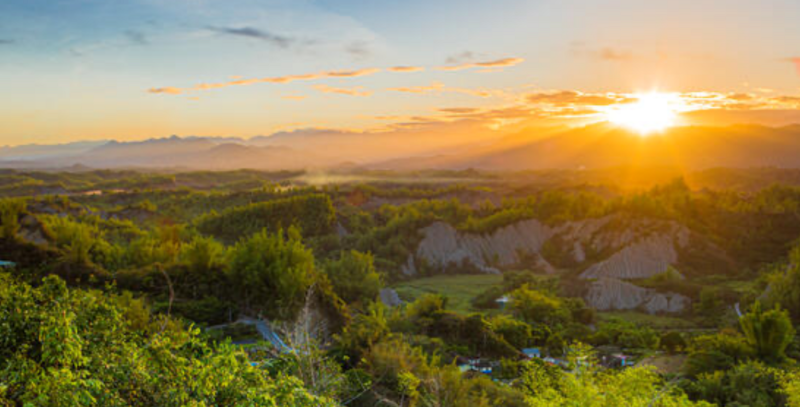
{"type": "Point", "coordinates": [650, 113]}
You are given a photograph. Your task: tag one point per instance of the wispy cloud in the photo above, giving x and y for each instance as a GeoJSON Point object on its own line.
{"type": "Point", "coordinates": [356, 91]}
{"type": "Point", "coordinates": [571, 97]}
{"type": "Point", "coordinates": [137, 37]}
{"type": "Point", "coordinates": [405, 69]}
{"type": "Point", "coordinates": [294, 97]}
{"type": "Point", "coordinates": [6, 41]}
{"type": "Point", "coordinates": [433, 87]}
{"type": "Point", "coordinates": [498, 63]}
{"type": "Point", "coordinates": [611, 54]}
{"type": "Point", "coordinates": [350, 74]}
{"type": "Point", "coordinates": [275, 79]}
{"type": "Point", "coordinates": [358, 49]}
{"type": "Point", "coordinates": [580, 48]}
{"type": "Point", "coordinates": [280, 41]}
{"type": "Point", "coordinates": [572, 106]}
{"type": "Point", "coordinates": [787, 101]}
{"type": "Point", "coordinates": [168, 90]}
{"type": "Point", "coordinates": [458, 110]}
{"type": "Point", "coordinates": [462, 57]}
{"type": "Point", "coordinates": [438, 87]}
{"type": "Point", "coordinates": [796, 62]}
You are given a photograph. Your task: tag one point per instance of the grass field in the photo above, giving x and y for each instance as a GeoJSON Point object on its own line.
{"type": "Point", "coordinates": [459, 289]}
{"type": "Point", "coordinates": [654, 321]}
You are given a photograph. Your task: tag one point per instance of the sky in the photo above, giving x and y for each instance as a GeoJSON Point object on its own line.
{"type": "Point", "coordinates": [135, 69]}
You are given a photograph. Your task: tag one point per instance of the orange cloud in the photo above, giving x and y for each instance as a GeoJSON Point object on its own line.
{"type": "Point", "coordinates": [169, 90]}
{"type": "Point", "coordinates": [610, 54]}
{"type": "Point", "coordinates": [294, 97]}
{"type": "Point", "coordinates": [440, 87]}
{"type": "Point", "coordinates": [350, 74]}
{"type": "Point", "coordinates": [571, 97]}
{"type": "Point", "coordinates": [277, 79]}
{"type": "Point", "coordinates": [406, 69]}
{"type": "Point", "coordinates": [787, 101]}
{"type": "Point", "coordinates": [796, 62]}
{"type": "Point", "coordinates": [500, 63]}
{"type": "Point", "coordinates": [434, 87]}
{"type": "Point", "coordinates": [356, 91]}
{"type": "Point", "coordinates": [458, 110]}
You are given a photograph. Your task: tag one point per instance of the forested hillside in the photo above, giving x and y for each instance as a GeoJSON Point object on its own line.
{"type": "Point", "coordinates": [399, 289]}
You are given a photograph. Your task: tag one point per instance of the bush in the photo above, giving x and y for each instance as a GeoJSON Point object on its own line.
{"type": "Point", "coordinates": [83, 348]}
{"type": "Point", "coordinates": [672, 342]}
{"type": "Point", "coordinates": [354, 277]}
{"type": "Point", "coordinates": [721, 351]}
{"type": "Point", "coordinates": [271, 273]}
{"type": "Point", "coordinates": [313, 214]}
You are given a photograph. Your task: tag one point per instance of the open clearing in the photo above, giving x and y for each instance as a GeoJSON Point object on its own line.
{"type": "Point", "coordinates": [654, 321]}
{"type": "Point", "coordinates": [459, 289]}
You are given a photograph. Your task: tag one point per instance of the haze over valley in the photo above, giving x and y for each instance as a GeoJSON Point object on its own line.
{"type": "Point", "coordinates": [362, 203]}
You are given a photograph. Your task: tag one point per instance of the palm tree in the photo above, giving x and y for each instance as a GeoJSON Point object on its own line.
{"type": "Point", "coordinates": [769, 333]}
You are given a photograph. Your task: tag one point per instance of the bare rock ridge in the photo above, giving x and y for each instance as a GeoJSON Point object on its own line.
{"type": "Point", "coordinates": [443, 245]}
{"type": "Point", "coordinates": [612, 293]}
{"type": "Point", "coordinates": [650, 256]}
{"type": "Point", "coordinates": [639, 250]}
{"type": "Point", "coordinates": [390, 298]}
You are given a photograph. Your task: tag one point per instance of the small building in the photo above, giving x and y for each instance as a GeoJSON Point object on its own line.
{"type": "Point", "coordinates": [502, 302]}
{"type": "Point", "coordinates": [477, 365]}
{"type": "Point", "coordinates": [531, 353]}
{"type": "Point", "coordinates": [616, 360]}
{"type": "Point", "coordinates": [7, 264]}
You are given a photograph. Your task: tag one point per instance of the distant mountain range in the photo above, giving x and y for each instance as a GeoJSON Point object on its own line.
{"type": "Point", "coordinates": [603, 146]}
{"type": "Point", "coordinates": [594, 146]}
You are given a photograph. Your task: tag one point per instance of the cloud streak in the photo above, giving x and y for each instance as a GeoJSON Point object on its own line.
{"type": "Point", "coordinates": [356, 91]}
{"type": "Point", "coordinates": [579, 48]}
{"type": "Point", "coordinates": [274, 79]}
{"type": "Point", "coordinates": [796, 62]}
{"type": "Point", "coordinates": [438, 87]}
{"type": "Point", "coordinates": [495, 64]}
{"type": "Point", "coordinates": [280, 41]}
{"type": "Point", "coordinates": [137, 37]}
{"type": "Point", "coordinates": [406, 69]}
{"type": "Point", "coordinates": [570, 97]}
{"type": "Point", "coordinates": [358, 49]}
{"type": "Point", "coordinates": [485, 66]}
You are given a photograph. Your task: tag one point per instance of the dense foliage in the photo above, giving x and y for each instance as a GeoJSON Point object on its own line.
{"type": "Point", "coordinates": [63, 347]}
{"type": "Point", "coordinates": [153, 260]}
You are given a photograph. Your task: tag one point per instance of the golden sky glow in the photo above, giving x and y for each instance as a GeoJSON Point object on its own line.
{"type": "Point", "coordinates": [142, 68]}
{"type": "Point", "coordinates": [651, 112]}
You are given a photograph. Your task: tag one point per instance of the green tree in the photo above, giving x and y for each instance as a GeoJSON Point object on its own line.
{"type": "Point", "coordinates": [584, 386]}
{"type": "Point", "coordinates": [710, 305]}
{"type": "Point", "coordinates": [749, 384]}
{"type": "Point", "coordinates": [768, 333]}
{"type": "Point", "coordinates": [10, 211]}
{"type": "Point", "coordinates": [366, 329]}
{"type": "Point", "coordinates": [784, 285]}
{"type": "Point", "coordinates": [672, 341]}
{"type": "Point", "coordinates": [354, 277]}
{"type": "Point", "coordinates": [720, 351]}
{"type": "Point", "coordinates": [271, 273]}
{"type": "Point", "coordinates": [202, 255]}
{"type": "Point", "coordinates": [537, 307]}
{"type": "Point", "coordinates": [63, 347]}
{"type": "Point", "coordinates": [77, 239]}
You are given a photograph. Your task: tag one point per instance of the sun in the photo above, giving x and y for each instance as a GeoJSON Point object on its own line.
{"type": "Point", "coordinates": [651, 113]}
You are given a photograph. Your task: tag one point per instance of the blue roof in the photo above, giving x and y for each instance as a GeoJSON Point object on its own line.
{"type": "Point", "coordinates": [5, 263]}
{"type": "Point", "coordinates": [534, 351]}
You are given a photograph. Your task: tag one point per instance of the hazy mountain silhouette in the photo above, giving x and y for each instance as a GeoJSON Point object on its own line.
{"type": "Point", "coordinates": [603, 145]}
{"type": "Point", "coordinates": [595, 146]}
